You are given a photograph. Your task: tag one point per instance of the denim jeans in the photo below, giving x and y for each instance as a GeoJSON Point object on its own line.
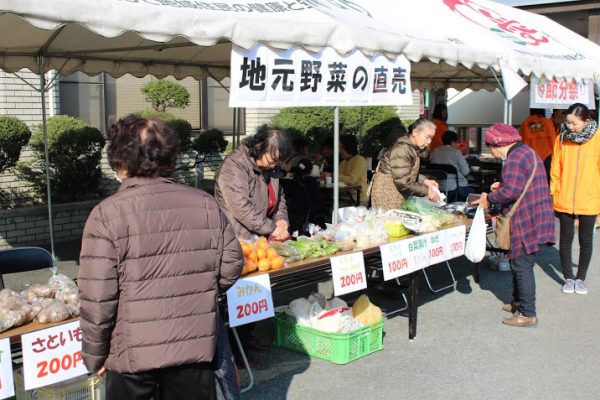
{"type": "Point", "coordinates": [524, 282]}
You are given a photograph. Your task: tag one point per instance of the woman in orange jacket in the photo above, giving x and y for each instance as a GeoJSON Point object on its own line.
{"type": "Point", "coordinates": [575, 189]}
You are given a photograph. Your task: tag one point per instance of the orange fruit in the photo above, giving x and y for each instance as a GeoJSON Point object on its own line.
{"type": "Point", "coordinates": [261, 253]}
{"type": "Point", "coordinates": [253, 256]}
{"type": "Point", "coordinates": [277, 262]}
{"type": "Point", "coordinates": [247, 248]}
{"type": "Point", "coordinates": [272, 253]}
{"type": "Point", "coordinates": [262, 243]}
{"type": "Point", "coordinates": [251, 266]}
{"type": "Point", "coordinates": [264, 264]}
{"type": "Point", "coordinates": [244, 270]}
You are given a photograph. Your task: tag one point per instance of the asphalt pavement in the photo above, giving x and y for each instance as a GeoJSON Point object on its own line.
{"type": "Point", "coordinates": [461, 351]}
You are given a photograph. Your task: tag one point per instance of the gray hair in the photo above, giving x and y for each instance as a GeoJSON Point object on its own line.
{"type": "Point", "coordinates": [421, 124]}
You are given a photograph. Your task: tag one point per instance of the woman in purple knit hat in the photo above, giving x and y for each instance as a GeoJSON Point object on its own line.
{"type": "Point", "coordinates": [532, 224]}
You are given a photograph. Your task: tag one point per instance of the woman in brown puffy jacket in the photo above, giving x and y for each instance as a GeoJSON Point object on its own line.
{"type": "Point", "coordinates": [248, 186]}
{"type": "Point", "coordinates": [154, 257]}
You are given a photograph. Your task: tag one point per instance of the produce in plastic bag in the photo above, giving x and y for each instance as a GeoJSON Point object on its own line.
{"type": "Point", "coordinates": [38, 304]}
{"type": "Point", "coordinates": [54, 312]}
{"type": "Point", "coordinates": [6, 293]}
{"type": "Point", "coordinates": [60, 281]}
{"type": "Point", "coordinates": [73, 309]}
{"type": "Point", "coordinates": [366, 312]}
{"type": "Point", "coordinates": [67, 295]}
{"type": "Point", "coordinates": [14, 311]}
{"type": "Point", "coordinates": [300, 310]}
{"type": "Point", "coordinates": [423, 208]}
{"type": "Point", "coordinates": [334, 320]}
{"type": "Point", "coordinates": [371, 232]}
{"type": "Point", "coordinates": [38, 290]}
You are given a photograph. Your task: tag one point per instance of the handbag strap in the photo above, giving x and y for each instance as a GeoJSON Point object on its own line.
{"type": "Point", "coordinates": [513, 209]}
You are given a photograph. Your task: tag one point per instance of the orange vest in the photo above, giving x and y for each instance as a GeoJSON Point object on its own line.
{"type": "Point", "coordinates": [575, 176]}
{"type": "Point", "coordinates": [538, 133]}
{"type": "Point", "coordinates": [440, 128]}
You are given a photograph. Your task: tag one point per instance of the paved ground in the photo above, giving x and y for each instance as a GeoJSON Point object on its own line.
{"type": "Point", "coordinates": [461, 351]}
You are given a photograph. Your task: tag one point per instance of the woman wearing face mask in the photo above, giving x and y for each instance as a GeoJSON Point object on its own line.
{"type": "Point", "coordinates": [248, 189]}
{"type": "Point", "coordinates": [401, 164]}
{"type": "Point", "coordinates": [575, 188]}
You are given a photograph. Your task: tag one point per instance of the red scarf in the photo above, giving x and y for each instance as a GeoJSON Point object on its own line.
{"type": "Point", "coordinates": [272, 204]}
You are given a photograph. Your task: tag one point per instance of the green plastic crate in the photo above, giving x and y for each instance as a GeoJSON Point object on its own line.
{"type": "Point", "coordinates": [81, 388]}
{"type": "Point", "coordinates": [339, 348]}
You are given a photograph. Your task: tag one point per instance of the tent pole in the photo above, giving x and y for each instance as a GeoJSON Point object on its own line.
{"type": "Point", "coordinates": [45, 128]}
{"type": "Point", "coordinates": [510, 111]}
{"type": "Point", "coordinates": [336, 164]}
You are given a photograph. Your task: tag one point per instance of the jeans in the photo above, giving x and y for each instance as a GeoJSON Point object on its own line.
{"type": "Point", "coordinates": [586, 243]}
{"type": "Point", "coordinates": [185, 382]}
{"type": "Point", "coordinates": [524, 283]}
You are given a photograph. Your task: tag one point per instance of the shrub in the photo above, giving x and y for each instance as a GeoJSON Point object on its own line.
{"type": "Point", "coordinates": [14, 134]}
{"type": "Point", "coordinates": [209, 142]}
{"type": "Point", "coordinates": [181, 126]}
{"type": "Point", "coordinates": [74, 151]}
{"type": "Point", "coordinates": [316, 122]}
{"type": "Point", "coordinates": [163, 94]}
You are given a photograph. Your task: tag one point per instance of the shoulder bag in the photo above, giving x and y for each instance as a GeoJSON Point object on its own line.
{"type": "Point", "coordinates": [502, 228]}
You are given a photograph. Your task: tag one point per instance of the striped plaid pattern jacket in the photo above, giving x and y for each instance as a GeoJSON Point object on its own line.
{"type": "Point", "coordinates": [532, 224]}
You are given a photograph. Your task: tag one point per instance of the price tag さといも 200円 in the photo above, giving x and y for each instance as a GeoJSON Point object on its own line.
{"type": "Point", "coordinates": [52, 355]}
{"type": "Point", "coordinates": [249, 300]}
{"type": "Point", "coordinates": [348, 273]}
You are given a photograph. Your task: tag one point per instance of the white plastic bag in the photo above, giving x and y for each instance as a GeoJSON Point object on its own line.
{"type": "Point", "coordinates": [475, 247]}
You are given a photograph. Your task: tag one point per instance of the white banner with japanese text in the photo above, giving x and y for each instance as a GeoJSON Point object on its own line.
{"type": "Point", "coordinates": [262, 77]}
{"type": "Point", "coordinates": [52, 355]}
{"type": "Point", "coordinates": [553, 93]}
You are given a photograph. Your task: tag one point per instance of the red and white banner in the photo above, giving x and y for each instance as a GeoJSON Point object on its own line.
{"type": "Point", "coordinates": [553, 93]}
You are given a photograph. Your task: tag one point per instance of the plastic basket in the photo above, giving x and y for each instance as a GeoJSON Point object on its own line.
{"type": "Point", "coordinates": [81, 388]}
{"type": "Point", "coordinates": [339, 348]}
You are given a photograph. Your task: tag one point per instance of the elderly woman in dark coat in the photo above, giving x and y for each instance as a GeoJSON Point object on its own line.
{"type": "Point", "coordinates": [248, 185]}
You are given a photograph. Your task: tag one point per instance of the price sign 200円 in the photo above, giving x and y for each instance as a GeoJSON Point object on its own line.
{"type": "Point", "coordinates": [348, 272]}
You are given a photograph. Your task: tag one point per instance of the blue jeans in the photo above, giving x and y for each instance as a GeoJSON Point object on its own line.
{"type": "Point", "coordinates": [524, 283]}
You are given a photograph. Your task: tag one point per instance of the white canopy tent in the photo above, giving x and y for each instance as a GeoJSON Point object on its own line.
{"type": "Point", "coordinates": [450, 43]}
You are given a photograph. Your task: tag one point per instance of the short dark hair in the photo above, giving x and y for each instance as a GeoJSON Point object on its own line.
{"type": "Point", "coordinates": [143, 147]}
{"type": "Point", "coordinates": [349, 143]}
{"type": "Point", "coordinates": [579, 110]}
{"type": "Point", "coordinates": [449, 137]}
{"type": "Point", "coordinates": [274, 141]}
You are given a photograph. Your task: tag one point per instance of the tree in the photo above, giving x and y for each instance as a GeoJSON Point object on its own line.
{"type": "Point", "coordinates": [74, 151]}
{"type": "Point", "coordinates": [14, 134]}
{"type": "Point", "coordinates": [316, 122]}
{"type": "Point", "coordinates": [163, 94]}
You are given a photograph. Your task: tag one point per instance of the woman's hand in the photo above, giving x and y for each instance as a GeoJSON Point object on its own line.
{"type": "Point", "coordinates": [433, 195]}
{"type": "Point", "coordinates": [430, 183]}
{"type": "Point", "coordinates": [483, 201]}
{"type": "Point", "coordinates": [101, 371]}
{"type": "Point", "coordinates": [495, 186]}
{"type": "Point", "coordinates": [281, 230]}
